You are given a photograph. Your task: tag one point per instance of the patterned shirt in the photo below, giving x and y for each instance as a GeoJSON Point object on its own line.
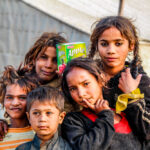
{"type": "Point", "coordinates": [15, 137]}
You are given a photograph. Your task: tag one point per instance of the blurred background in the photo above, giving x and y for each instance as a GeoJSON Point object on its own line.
{"type": "Point", "coordinates": [23, 21]}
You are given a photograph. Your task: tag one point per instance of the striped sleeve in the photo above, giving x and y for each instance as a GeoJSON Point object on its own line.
{"type": "Point", "coordinates": [15, 137]}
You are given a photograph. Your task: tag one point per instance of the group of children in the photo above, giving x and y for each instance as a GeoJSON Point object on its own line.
{"type": "Point", "coordinates": [34, 95]}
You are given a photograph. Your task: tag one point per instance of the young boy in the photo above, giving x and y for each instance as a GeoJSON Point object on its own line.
{"type": "Point", "coordinates": [45, 112]}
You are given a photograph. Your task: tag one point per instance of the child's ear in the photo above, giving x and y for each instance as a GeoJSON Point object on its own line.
{"type": "Point", "coordinates": [28, 116]}
{"type": "Point", "coordinates": [61, 117]}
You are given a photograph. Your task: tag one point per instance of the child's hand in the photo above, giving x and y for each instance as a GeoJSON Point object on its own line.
{"type": "Point", "coordinates": [99, 106]}
{"type": "Point", "coordinates": [3, 129]}
{"type": "Point", "coordinates": [117, 118]}
{"type": "Point", "coordinates": [59, 74]}
{"type": "Point", "coordinates": [126, 82]}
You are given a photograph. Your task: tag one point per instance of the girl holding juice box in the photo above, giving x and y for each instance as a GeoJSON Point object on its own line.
{"type": "Point", "coordinates": [41, 60]}
{"type": "Point", "coordinates": [114, 37]}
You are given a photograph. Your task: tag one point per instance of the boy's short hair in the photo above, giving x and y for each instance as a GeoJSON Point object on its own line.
{"type": "Point", "coordinates": [46, 93]}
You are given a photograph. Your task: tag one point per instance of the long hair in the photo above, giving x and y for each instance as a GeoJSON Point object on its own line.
{"type": "Point", "coordinates": [45, 40]}
{"type": "Point", "coordinates": [126, 28]}
{"type": "Point", "coordinates": [84, 63]}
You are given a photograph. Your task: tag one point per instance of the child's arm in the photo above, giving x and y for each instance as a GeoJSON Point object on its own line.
{"type": "Point", "coordinates": [3, 129]}
{"type": "Point", "coordinates": [82, 133]}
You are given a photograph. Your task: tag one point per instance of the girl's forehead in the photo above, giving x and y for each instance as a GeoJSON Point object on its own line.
{"type": "Point", "coordinates": [112, 32]}
{"type": "Point", "coordinates": [77, 73]}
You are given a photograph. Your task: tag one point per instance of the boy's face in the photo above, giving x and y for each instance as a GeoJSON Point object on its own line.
{"type": "Point", "coordinates": [46, 65]}
{"type": "Point", "coordinates": [44, 118]}
{"type": "Point", "coordinates": [15, 101]}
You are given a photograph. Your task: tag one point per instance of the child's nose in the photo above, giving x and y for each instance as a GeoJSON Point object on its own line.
{"type": "Point", "coordinates": [49, 63]}
{"type": "Point", "coordinates": [81, 92]}
{"type": "Point", "coordinates": [15, 101]}
{"type": "Point", "coordinates": [111, 49]}
{"type": "Point", "coordinates": [42, 118]}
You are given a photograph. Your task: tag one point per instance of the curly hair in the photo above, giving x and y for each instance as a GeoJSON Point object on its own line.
{"type": "Point", "coordinates": [11, 76]}
{"type": "Point", "coordinates": [45, 40]}
{"type": "Point", "coordinates": [126, 28]}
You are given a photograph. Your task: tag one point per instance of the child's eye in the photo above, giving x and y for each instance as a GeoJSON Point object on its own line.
{"type": "Point", "coordinates": [118, 44]}
{"type": "Point", "coordinates": [22, 98]}
{"type": "Point", "coordinates": [9, 97]}
{"type": "Point", "coordinates": [48, 113]}
{"type": "Point", "coordinates": [86, 83]}
{"type": "Point", "coordinates": [54, 60]}
{"type": "Point", "coordinates": [104, 44]}
{"type": "Point", "coordinates": [36, 113]}
{"type": "Point", "coordinates": [71, 89]}
{"type": "Point", "coordinates": [43, 56]}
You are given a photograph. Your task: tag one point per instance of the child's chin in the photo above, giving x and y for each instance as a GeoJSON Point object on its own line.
{"type": "Point", "coordinates": [43, 133]}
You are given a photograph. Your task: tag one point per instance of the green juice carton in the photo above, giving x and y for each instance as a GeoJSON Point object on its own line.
{"type": "Point", "coordinates": [68, 51]}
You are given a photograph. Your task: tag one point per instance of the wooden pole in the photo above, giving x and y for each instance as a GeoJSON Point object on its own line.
{"type": "Point", "coordinates": [121, 5]}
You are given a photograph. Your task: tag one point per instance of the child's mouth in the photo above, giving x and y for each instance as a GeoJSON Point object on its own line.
{"type": "Point", "coordinates": [42, 127]}
{"type": "Point", "coordinates": [15, 109]}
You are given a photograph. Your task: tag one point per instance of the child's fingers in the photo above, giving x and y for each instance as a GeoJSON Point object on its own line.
{"type": "Point", "coordinates": [59, 73]}
{"type": "Point", "coordinates": [5, 128]}
{"type": "Point", "coordinates": [138, 78]}
{"type": "Point", "coordinates": [91, 106]}
{"type": "Point", "coordinates": [128, 71]}
{"type": "Point", "coordinates": [102, 104]}
{"type": "Point", "coordinates": [105, 104]}
{"type": "Point", "coordinates": [1, 131]}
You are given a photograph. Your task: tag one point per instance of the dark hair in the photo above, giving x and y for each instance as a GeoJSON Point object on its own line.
{"type": "Point", "coordinates": [46, 39]}
{"type": "Point", "coordinates": [126, 28]}
{"type": "Point", "coordinates": [84, 63]}
{"type": "Point", "coordinates": [11, 76]}
{"type": "Point", "coordinates": [46, 93]}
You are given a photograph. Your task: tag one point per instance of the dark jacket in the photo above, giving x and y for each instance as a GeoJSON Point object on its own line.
{"type": "Point", "coordinates": [56, 143]}
{"type": "Point", "coordinates": [138, 114]}
{"type": "Point", "coordinates": [85, 134]}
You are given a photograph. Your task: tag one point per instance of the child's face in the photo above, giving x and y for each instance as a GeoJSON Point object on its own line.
{"type": "Point", "coordinates": [83, 85]}
{"type": "Point", "coordinates": [113, 48]}
{"type": "Point", "coordinates": [44, 118]}
{"type": "Point", "coordinates": [15, 101]}
{"type": "Point", "coordinates": [46, 65]}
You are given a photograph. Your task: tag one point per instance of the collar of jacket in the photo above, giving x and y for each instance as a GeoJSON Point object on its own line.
{"type": "Point", "coordinates": [37, 142]}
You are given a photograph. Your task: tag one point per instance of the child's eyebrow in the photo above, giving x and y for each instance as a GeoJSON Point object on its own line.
{"type": "Point", "coordinates": [86, 80]}
{"type": "Point", "coordinates": [103, 40]}
{"type": "Point", "coordinates": [16, 95]}
{"type": "Point", "coordinates": [41, 110]}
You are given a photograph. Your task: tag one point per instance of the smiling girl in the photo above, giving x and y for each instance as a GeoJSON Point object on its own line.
{"type": "Point", "coordinates": [13, 91]}
{"type": "Point", "coordinates": [41, 61]}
